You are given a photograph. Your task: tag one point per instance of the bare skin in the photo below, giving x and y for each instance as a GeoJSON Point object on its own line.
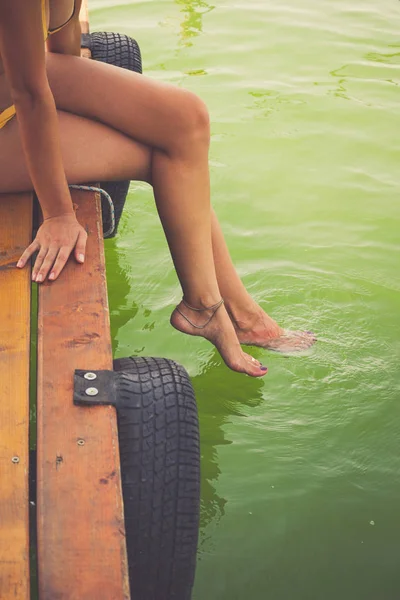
{"type": "Point", "coordinates": [253, 326]}
{"type": "Point", "coordinates": [128, 126]}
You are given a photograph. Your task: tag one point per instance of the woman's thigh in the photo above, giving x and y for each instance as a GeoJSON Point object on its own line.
{"type": "Point", "coordinates": [91, 151]}
{"type": "Point", "coordinates": [151, 112]}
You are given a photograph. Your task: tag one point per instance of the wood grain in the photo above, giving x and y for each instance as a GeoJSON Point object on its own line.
{"type": "Point", "coordinates": [15, 294]}
{"type": "Point", "coordinates": [81, 536]}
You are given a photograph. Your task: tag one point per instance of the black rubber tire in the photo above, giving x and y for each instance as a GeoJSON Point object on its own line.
{"type": "Point", "coordinates": [122, 51]}
{"type": "Point", "coordinates": [116, 49]}
{"type": "Point", "coordinates": [160, 465]}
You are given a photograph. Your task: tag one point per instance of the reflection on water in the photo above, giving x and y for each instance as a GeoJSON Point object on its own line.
{"type": "Point", "coordinates": [308, 91]}
{"type": "Point", "coordinates": [215, 411]}
{"type": "Point", "coordinates": [365, 71]}
{"type": "Point", "coordinates": [340, 91]}
{"type": "Point", "coordinates": [388, 59]}
{"type": "Point", "coordinates": [122, 307]}
{"type": "Point", "coordinates": [192, 25]}
{"type": "Point", "coordinates": [269, 101]}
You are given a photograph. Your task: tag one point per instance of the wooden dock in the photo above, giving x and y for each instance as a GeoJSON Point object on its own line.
{"type": "Point", "coordinates": [80, 523]}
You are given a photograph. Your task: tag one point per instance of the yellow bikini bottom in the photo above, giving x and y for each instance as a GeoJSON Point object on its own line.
{"type": "Point", "coordinates": [7, 115]}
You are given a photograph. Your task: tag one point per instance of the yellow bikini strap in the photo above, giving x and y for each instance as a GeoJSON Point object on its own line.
{"type": "Point", "coordinates": [44, 19]}
{"type": "Point", "coordinates": [7, 115]}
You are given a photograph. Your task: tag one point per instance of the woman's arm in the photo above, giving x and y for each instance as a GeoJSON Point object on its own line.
{"type": "Point", "coordinates": [68, 39]}
{"type": "Point", "coordinates": [23, 54]}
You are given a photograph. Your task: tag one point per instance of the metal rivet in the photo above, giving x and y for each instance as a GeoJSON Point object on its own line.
{"type": "Point", "coordinates": [81, 442]}
{"type": "Point", "coordinates": [92, 392]}
{"type": "Point", "coordinates": [90, 376]}
{"type": "Point", "coordinates": [15, 459]}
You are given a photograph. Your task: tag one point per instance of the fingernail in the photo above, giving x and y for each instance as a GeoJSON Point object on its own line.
{"type": "Point", "coordinates": [81, 257]}
{"type": "Point", "coordinates": [51, 276]}
{"type": "Point", "coordinates": [33, 276]}
{"type": "Point", "coordinates": [39, 278]}
{"type": "Point", "coordinates": [264, 368]}
{"type": "Point", "coordinates": [19, 263]}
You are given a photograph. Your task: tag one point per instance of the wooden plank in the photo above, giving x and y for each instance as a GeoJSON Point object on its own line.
{"type": "Point", "coordinates": [15, 294]}
{"type": "Point", "coordinates": [81, 536]}
{"type": "Point", "coordinates": [84, 19]}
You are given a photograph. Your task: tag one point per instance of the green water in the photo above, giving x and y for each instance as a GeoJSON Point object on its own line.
{"type": "Point", "coordinates": [300, 471]}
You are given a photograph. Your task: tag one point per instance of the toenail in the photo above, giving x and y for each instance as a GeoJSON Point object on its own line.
{"type": "Point", "coordinates": [264, 368]}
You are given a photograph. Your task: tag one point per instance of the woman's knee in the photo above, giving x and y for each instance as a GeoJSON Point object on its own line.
{"type": "Point", "coordinates": [193, 122]}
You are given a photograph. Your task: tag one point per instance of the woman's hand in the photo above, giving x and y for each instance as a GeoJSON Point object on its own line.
{"type": "Point", "coordinates": [56, 238]}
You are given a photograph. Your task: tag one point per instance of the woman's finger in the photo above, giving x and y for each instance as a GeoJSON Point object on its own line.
{"type": "Point", "coordinates": [80, 248]}
{"type": "Point", "coordinates": [38, 262]}
{"type": "Point", "coordinates": [47, 264]}
{"type": "Point", "coordinates": [60, 262]}
{"type": "Point", "coordinates": [31, 249]}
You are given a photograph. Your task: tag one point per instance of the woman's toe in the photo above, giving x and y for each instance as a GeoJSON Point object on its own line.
{"type": "Point", "coordinates": [254, 366]}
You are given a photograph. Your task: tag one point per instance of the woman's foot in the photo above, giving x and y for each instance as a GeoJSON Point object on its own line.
{"type": "Point", "coordinates": [220, 332]}
{"type": "Point", "coordinates": [255, 328]}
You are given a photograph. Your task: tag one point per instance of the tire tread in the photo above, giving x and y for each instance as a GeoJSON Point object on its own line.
{"type": "Point", "coordinates": [160, 450]}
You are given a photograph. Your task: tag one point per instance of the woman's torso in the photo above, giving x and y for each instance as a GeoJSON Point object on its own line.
{"type": "Point", "coordinates": [57, 13]}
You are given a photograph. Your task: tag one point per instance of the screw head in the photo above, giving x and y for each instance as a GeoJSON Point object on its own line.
{"type": "Point", "coordinates": [15, 459]}
{"type": "Point", "coordinates": [92, 391]}
{"type": "Point", "coordinates": [90, 376]}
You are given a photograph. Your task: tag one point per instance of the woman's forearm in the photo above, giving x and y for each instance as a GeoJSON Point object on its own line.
{"type": "Point", "coordinates": [38, 122]}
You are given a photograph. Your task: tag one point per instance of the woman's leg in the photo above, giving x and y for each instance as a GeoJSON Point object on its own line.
{"type": "Point", "coordinates": [252, 324]}
{"type": "Point", "coordinates": [91, 152]}
{"type": "Point", "coordinates": [174, 124]}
